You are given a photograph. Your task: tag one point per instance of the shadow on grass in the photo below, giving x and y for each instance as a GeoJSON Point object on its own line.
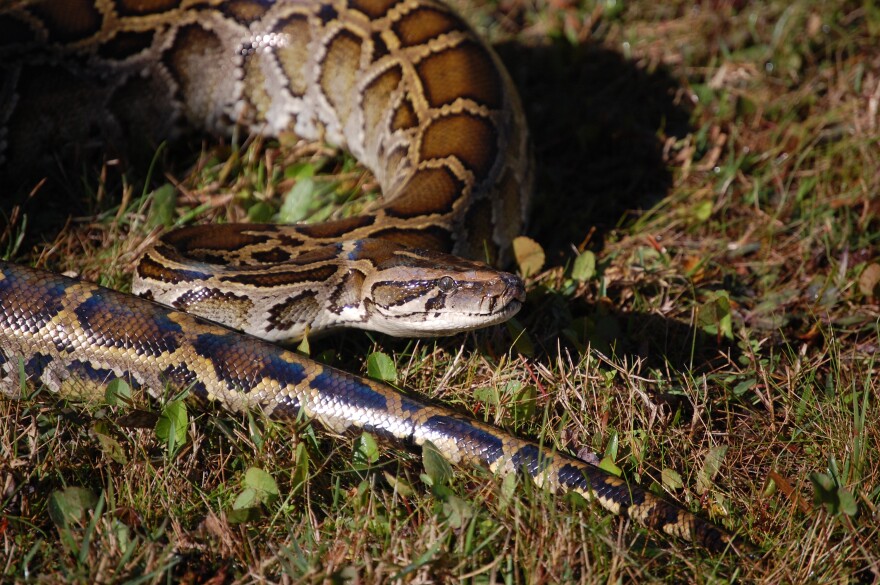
{"type": "Point", "coordinates": [597, 120]}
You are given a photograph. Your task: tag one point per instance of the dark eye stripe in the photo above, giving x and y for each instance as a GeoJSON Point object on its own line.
{"type": "Point", "coordinates": [436, 303]}
{"type": "Point", "coordinates": [392, 294]}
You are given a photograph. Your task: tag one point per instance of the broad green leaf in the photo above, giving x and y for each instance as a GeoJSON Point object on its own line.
{"type": "Point", "coordinates": [714, 315]}
{"type": "Point", "coordinates": [122, 534]}
{"type": "Point", "coordinates": [836, 498]}
{"type": "Point", "coordinates": [770, 488]}
{"type": "Point", "coordinates": [508, 490]}
{"type": "Point", "coordinates": [584, 267]}
{"type": "Point", "coordinates": [436, 466]}
{"type": "Point", "coordinates": [300, 475]}
{"type": "Point", "coordinates": [242, 515]}
{"type": "Point", "coordinates": [703, 211]}
{"type": "Point", "coordinates": [109, 445]}
{"type": "Point", "coordinates": [304, 347]}
{"type": "Point", "coordinates": [401, 486]}
{"type": "Point", "coordinates": [298, 201]}
{"type": "Point", "coordinates": [70, 506]}
{"type": "Point", "coordinates": [456, 511]}
{"type": "Point", "coordinates": [744, 386]}
{"type": "Point", "coordinates": [259, 488]}
{"type": "Point", "coordinates": [300, 170]}
{"type": "Point", "coordinates": [608, 465]}
{"type": "Point", "coordinates": [612, 446]}
{"type": "Point", "coordinates": [172, 424]}
{"type": "Point", "coordinates": [262, 483]}
{"type": "Point", "coordinates": [118, 392]}
{"type": "Point", "coordinates": [525, 399]}
{"type": "Point", "coordinates": [246, 499]}
{"type": "Point", "coordinates": [848, 503]}
{"type": "Point", "coordinates": [487, 394]}
{"type": "Point", "coordinates": [260, 212]}
{"type": "Point", "coordinates": [381, 367]}
{"type": "Point", "coordinates": [366, 451]}
{"type": "Point", "coordinates": [671, 479]}
{"type": "Point", "coordinates": [162, 207]}
{"type": "Point", "coordinates": [711, 465]}
{"type": "Point", "coordinates": [255, 431]}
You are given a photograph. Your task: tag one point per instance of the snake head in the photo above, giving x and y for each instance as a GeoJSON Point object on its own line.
{"type": "Point", "coordinates": [416, 292]}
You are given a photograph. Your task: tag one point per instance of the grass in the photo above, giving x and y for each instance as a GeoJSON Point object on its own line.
{"type": "Point", "coordinates": [718, 160]}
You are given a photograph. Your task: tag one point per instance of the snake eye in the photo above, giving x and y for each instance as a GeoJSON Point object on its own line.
{"type": "Point", "coordinates": [446, 284]}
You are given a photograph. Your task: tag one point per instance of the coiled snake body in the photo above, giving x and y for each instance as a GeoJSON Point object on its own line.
{"type": "Point", "coordinates": [404, 85]}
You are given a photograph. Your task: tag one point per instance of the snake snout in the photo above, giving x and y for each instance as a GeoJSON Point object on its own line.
{"type": "Point", "coordinates": [515, 288]}
{"type": "Point", "coordinates": [507, 288]}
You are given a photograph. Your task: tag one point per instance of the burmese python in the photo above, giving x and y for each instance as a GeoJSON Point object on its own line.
{"type": "Point", "coordinates": [409, 89]}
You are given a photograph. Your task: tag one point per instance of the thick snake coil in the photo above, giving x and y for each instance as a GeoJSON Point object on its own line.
{"type": "Point", "coordinates": [404, 85]}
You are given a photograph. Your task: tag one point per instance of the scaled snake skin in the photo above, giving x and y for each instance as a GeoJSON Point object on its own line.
{"type": "Point", "coordinates": [409, 90]}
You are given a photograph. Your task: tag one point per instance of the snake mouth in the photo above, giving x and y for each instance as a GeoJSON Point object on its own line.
{"type": "Point", "coordinates": [507, 311]}
{"type": "Point", "coordinates": [422, 324]}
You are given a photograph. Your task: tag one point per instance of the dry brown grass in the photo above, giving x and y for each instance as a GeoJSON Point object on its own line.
{"type": "Point", "coordinates": [721, 161]}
